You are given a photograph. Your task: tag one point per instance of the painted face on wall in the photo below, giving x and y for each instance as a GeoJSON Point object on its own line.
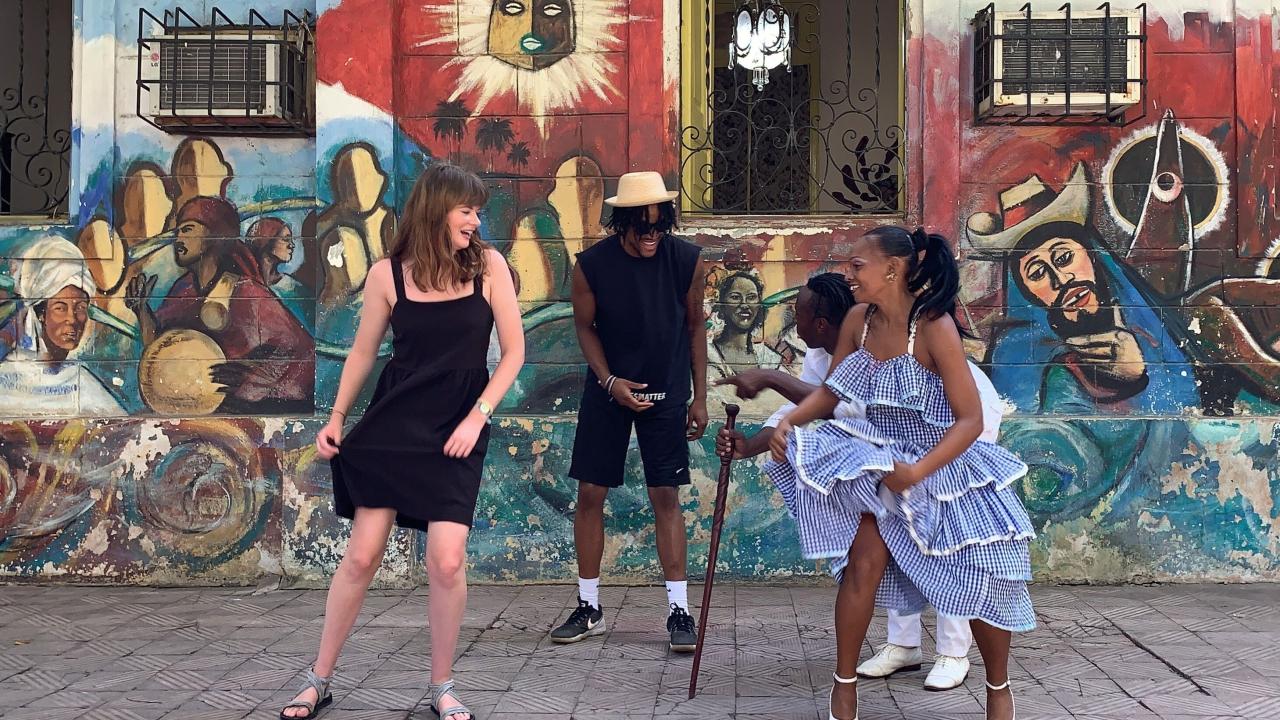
{"type": "Point", "coordinates": [282, 248]}
{"type": "Point", "coordinates": [740, 304]}
{"type": "Point", "coordinates": [531, 34]}
{"type": "Point", "coordinates": [65, 316]}
{"type": "Point", "coordinates": [1059, 274]}
{"type": "Point", "coordinates": [191, 244]}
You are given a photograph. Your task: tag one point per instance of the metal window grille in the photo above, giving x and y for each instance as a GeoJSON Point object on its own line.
{"type": "Point", "coordinates": [226, 78]}
{"type": "Point", "coordinates": [822, 136]}
{"type": "Point", "coordinates": [1059, 66]}
{"type": "Point", "coordinates": [35, 107]}
{"type": "Point", "coordinates": [237, 75]}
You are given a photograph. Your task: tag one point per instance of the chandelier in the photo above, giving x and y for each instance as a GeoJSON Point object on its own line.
{"type": "Point", "coordinates": [761, 40]}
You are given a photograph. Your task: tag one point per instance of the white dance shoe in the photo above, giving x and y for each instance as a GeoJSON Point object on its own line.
{"type": "Point", "coordinates": [947, 673]}
{"type": "Point", "coordinates": [891, 659]}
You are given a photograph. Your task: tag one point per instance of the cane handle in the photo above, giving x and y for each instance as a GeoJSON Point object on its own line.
{"type": "Point", "coordinates": [731, 413]}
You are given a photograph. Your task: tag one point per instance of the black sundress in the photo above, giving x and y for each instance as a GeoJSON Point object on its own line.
{"type": "Point", "coordinates": [394, 456]}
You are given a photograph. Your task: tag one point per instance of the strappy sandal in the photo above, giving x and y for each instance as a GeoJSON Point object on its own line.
{"type": "Point", "coordinates": [323, 697]}
{"type": "Point", "coordinates": [437, 694]}
{"type": "Point", "coordinates": [843, 681]}
{"type": "Point", "coordinates": [1013, 704]}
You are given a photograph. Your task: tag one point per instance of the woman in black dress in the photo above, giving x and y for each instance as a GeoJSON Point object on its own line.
{"type": "Point", "coordinates": [415, 458]}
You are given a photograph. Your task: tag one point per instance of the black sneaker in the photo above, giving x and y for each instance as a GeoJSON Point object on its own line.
{"type": "Point", "coordinates": [582, 624]}
{"type": "Point", "coordinates": [684, 634]}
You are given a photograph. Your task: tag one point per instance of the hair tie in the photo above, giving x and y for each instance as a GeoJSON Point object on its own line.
{"type": "Point", "coordinates": [919, 239]}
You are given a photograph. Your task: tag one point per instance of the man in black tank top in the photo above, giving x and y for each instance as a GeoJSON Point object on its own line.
{"type": "Point", "coordinates": [637, 305]}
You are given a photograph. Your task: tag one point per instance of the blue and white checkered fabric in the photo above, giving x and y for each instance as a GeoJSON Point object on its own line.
{"type": "Point", "coordinates": [958, 540]}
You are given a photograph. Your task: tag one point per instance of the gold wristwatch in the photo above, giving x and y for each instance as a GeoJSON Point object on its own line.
{"type": "Point", "coordinates": [485, 409]}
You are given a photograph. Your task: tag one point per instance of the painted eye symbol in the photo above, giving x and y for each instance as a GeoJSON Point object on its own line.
{"type": "Point", "coordinates": [552, 9]}
{"type": "Point", "coordinates": [512, 7]}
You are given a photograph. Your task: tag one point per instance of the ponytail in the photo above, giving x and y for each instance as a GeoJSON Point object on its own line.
{"type": "Point", "coordinates": [932, 273]}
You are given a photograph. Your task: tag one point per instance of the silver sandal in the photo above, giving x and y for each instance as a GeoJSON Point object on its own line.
{"type": "Point", "coordinates": [437, 694]}
{"type": "Point", "coordinates": [323, 696]}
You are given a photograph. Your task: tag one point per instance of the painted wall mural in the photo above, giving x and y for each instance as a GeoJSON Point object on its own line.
{"type": "Point", "coordinates": [1123, 283]}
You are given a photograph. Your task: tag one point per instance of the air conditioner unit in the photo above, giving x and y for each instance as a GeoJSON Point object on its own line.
{"type": "Point", "coordinates": [1057, 63]}
{"type": "Point", "coordinates": [227, 74]}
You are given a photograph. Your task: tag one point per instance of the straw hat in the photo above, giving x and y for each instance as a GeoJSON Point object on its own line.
{"type": "Point", "coordinates": [1027, 206]}
{"type": "Point", "coordinates": [637, 189]}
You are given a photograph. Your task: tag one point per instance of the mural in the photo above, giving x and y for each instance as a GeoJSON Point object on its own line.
{"type": "Point", "coordinates": [1122, 281]}
{"type": "Point", "coordinates": [163, 502]}
{"type": "Point", "coordinates": [545, 54]}
{"type": "Point", "coordinates": [1121, 312]}
{"type": "Point", "coordinates": [739, 313]}
{"type": "Point", "coordinates": [48, 312]}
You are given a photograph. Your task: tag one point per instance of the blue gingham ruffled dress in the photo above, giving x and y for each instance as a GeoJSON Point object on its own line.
{"type": "Point", "coordinates": [957, 540]}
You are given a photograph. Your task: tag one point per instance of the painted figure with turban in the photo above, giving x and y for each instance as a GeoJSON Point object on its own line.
{"type": "Point", "coordinates": [39, 375]}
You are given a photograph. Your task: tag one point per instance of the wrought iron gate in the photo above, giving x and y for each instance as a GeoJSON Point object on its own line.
{"type": "Point", "coordinates": [35, 107]}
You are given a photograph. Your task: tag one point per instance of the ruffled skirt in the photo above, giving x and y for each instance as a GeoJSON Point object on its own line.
{"type": "Point", "coordinates": [958, 540]}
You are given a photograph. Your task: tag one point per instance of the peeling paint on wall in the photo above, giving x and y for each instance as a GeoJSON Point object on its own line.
{"type": "Point", "coordinates": [1145, 398]}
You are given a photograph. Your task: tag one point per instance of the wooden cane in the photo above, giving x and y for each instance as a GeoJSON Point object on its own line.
{"type": "Point", "coordinates": [717, 524]}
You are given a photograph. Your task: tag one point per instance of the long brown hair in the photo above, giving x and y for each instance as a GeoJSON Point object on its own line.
{"type": "Point", "coordinates": [422, 235]}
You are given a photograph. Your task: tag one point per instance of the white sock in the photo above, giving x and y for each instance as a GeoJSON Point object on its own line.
{"type": "Point", "coordinates": [678, 594]}
{"type": "Point", "coordinates": [589, 591]}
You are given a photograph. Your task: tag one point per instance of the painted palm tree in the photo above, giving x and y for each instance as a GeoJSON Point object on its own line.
{"type": "Point", "coordinates": [451, 122]}
{"type": "Point", "coordinates": [492, 136]}
{"type": "Point", "coordinates": [518, 155]}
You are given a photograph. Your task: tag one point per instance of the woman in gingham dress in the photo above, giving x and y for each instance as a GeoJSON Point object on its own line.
{"type": "Point", "coordinates": [906, 505]}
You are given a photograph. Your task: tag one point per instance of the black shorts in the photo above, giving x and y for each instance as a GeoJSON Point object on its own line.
{"type": "Point", "coordinates": [604, 432]}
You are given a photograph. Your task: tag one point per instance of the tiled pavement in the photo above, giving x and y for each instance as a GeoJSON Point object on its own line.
{"type": "Point", "coordinates": [1173, 652]}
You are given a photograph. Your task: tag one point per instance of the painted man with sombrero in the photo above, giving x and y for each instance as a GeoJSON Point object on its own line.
{"type": "Point", "coordinates": [637, 306]}
{"type": "Point", "coordinates": [1080, 337]}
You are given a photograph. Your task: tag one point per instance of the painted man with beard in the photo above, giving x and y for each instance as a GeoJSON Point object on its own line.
{"type": "Point", "coordinates": [1081, 336]}
{"type": "Point", "coordinates": [1053, 267]}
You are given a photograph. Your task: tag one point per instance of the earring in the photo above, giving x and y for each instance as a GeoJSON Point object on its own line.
{"type": "Point", "coordinates": [891, 276]}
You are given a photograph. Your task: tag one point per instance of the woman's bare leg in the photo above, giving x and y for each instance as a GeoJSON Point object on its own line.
{"type": "Point", "coordinates": [855, 603]}
{"type": "Point", "coordinates": [369, 533]}
{"type": "Point", "coordinates": [993, 643]}
{"type": "Point", "coordinates": [447, 573]}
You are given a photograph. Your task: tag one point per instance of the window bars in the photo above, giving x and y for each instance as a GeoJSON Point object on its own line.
{"type": "Point", "coordinates": [814, 128]}
{"type": "Point", "coordinates": [35, 108]}
{"type": "Point", "coordinates": [223, 78]}
{"type": "Point", "coordinates": [1059, 67]}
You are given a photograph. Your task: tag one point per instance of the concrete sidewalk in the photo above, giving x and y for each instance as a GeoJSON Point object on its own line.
{"type": "Point", "coordinates": [1175, 652]}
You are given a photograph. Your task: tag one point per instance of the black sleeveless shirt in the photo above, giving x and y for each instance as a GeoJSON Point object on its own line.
{"type": "Point", "coordinates": [641, 314]}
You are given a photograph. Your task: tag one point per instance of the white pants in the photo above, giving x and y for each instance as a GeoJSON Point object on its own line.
{"type": "Point", "coordinates": [954, 635]}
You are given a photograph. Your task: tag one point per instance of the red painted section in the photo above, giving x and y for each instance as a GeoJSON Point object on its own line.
{"type": "Point", "coordinates": [1195, 84]}
{"type": "Point", "coordinates": [1257, 86]}
{"type": "Point", "coordinates": [1217, 78]}
{"type": "Point", "coordinates": [940, 145]}
{"type": "Point", "coordinates": [1199, 35]}
{"type": "Point", "coordinates": [650, 140]}
{"type": "Point", "coordinates": [1224, 92]}
{"type": "Point", "coordinates": [364, 68]}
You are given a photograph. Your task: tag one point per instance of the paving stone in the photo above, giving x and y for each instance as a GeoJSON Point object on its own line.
{"type": "Point", "coordinates": [1100, 653]}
